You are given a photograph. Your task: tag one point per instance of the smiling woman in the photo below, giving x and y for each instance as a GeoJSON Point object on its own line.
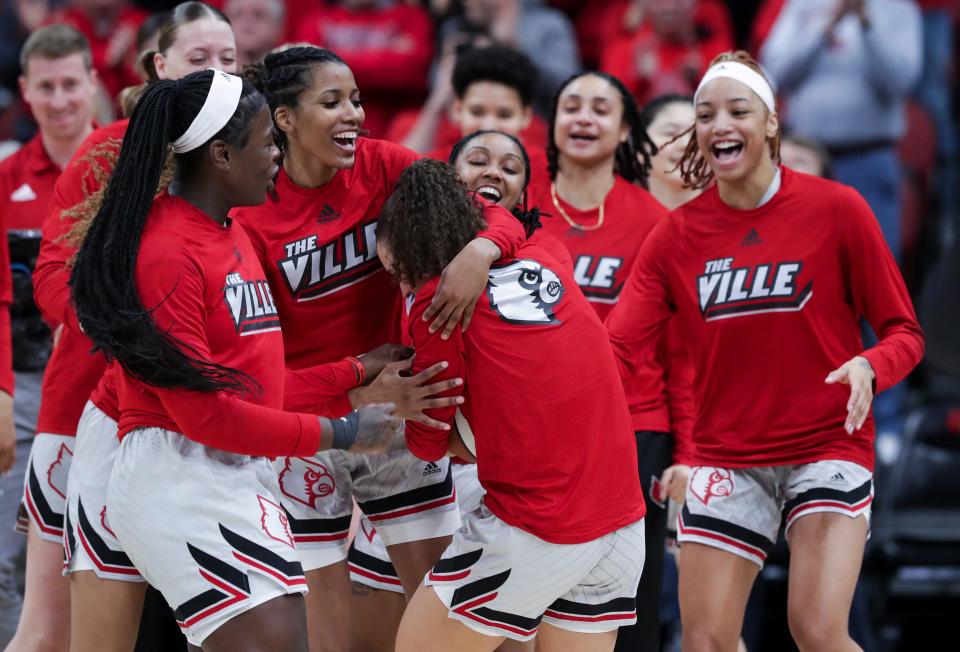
{"type": "Point", "coordinates": [763, 257]}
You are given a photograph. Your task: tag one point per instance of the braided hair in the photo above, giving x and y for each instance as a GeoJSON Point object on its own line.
{"type": "Point", "coordinates": [529, 217]}
{"type": "Point", "coordinates": [103, 282]}
{"type": "Point", "coordinates": [430, 217]}
{"type": "Point", "coordinates": [285, 75]}
{"type": "Point", "coordinates": [632, 158]}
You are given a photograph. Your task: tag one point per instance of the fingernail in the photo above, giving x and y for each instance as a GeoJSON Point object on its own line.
{"type": "Point", "coordinates": [458, 382]}
{"type": "Point", "coordinates": [849, 429]}
{"type": "Point", "coordinates": [459, 400]}
{"type": "Point", "coordinates": [444, 336]}
{"type": "Point", "coordinates": [444, 365]}
{"type": "Point", "coordinates": [828, 378]}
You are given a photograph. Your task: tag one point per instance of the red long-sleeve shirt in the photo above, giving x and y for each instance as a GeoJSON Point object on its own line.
{"type": "Point", "coordinates": [556, 460]}
{"type": "Point", "coordinates": [318, 247]}
{"type": "Point", "coordinates": [207, 291]}
{"type": "Point", "coordinates": [389, 51]}
{"type": "Point", "coordinates": [6, 297]}
{"type": "Point", "coordinates": [72, 371]}
{"type": "Point", "coordinates": [768, 302]}
{"type": "Point", "coordinates": [602, 262]}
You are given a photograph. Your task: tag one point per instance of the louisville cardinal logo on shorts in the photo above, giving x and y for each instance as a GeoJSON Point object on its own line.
{"type": "Point", "coordinates": [57, 473]}
{"type": "Point", "coordinates": [274, 521]}
{"type": "Point", "coordinates": [306, 481]}
{"type": "Point", "coordinates": [708, 482]}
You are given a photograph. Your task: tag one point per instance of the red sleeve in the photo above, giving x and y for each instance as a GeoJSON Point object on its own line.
{"type": "Point", "coordinates": [221, 420]}
{"type": "Point", "coordinates": [423, 441]}
{"type": "Point", "coordinates": [878, 292]}
{"type": "Point", "coordinates": [6, 297]}
{"type": "Point", "coordinates": [51, 277]}
{"type": "Point", "coordinates": [503, 229]}
{"type": "Point", "coordinates": [679, 384]}
{"type": "Point", "coordinates": [636, 324]}
{"type": "Point", "coordinates": [321, 390]}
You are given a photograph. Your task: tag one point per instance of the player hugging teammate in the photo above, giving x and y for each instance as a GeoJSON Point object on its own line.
{"type": "Point", "coordinates": [272, 295]}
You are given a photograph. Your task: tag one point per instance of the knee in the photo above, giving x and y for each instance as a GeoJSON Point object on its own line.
{"type": "Point", "coordinates": [700, 639]}
{"type": "Point", "coordinates": [813, 629]}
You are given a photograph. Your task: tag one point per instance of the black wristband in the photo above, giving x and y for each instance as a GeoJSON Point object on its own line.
{"type": "Point", "coordinates": [345, 430]}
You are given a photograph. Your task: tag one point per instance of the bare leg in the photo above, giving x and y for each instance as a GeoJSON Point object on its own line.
{"type": "Point", "coordinates": [714, 587]}
{"type": "Point", "coordinates": [278, 624]}
{"type": "Point", "coordinates": [555, 639]}
{"type": "Point", "coordinates": [44, 622]}
{"type": "Point", "coordinates": [414, 559]}
{"type": "Point", "coordinates": [376, 615]}
{"type": "Point", "coordinates": [328, 608]}
{"type": "Point", "coordinates": [427, 628]}
{"type": "Point", "coordinates": [826, 551]}
{"type": "Point", "coordinates": [104, 614]}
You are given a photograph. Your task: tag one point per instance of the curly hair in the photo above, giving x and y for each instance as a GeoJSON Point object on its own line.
{"type": "Point", "coordinates": [632, 157]}
{"type": "Point", "coordinates": [694, 169]}
{"type": "Point", "coordinates": [427, 220]}
{"type": "Point", "coordinates": [528, 217]}
{"type": "Point", "coordinates": [100, 161]}
{"type": "Point", "coordinates": [496, 63]}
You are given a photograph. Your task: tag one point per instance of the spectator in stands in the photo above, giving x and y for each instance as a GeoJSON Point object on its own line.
{"type": "Point", "coordinates": [805, 155]}
{"type": "Point", "coordinates": [59, 85]}
{"type": "Point", "coordinates": [844, 70]}
{"type": "Point", "coordinates": [388, 46]}
{"type": "Point", "coordinates": [491, 89]}
{"type": "Point", "coordinates": [670, 49]}
{"type": "Point", "coordinates": [111, 28]}
{"type": "Point", "coordinates": [542, 33]}
{"type": "Point", "coordinates": [258, 25]}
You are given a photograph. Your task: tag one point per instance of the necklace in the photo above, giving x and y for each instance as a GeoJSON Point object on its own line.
{"type": "Point", "coordinates": [563, 213]}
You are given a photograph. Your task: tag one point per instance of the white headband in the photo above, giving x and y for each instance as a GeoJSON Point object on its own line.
{"type": "Point", "coordinates": [217, 109]}
{"type": "Point", "coordinates": [743, 74]}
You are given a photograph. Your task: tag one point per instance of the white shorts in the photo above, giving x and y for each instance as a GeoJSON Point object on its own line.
{"type": "Point", "coordinates": [89, 542]}
{"type": "Point", "coordinates": [405, 498]}
{"type": "Point", "coordinates": [203, 526]}
{"type": "Point", "coordinates": [739, 510]}
{"type": "Point", "coordinates": [368, 560]}
{"type": "Point", "coordinates": [45, 486]}
{"type": "Point", "coordinates": [499, 580]}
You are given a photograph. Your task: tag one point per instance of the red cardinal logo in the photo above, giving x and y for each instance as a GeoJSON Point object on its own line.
{"type": "Point", "coordinates": [103, 521]}
{"type": "Point", "coordinates": [274, 521]}
{"type": "Point", "coordinates": [707, 482]}
{"type": "Point", "coordinates": [57, 473]}
{"type": "Point", "coordinates": [306, 481]}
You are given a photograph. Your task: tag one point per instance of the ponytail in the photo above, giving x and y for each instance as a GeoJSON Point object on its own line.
{"type": "Point", "coordinates": [103, 281]}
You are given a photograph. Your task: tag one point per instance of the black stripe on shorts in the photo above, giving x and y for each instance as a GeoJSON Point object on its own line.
{"type": "Point", "coordinates": [851, 497]}
{"type": "Point", "coordinates": [727, 529]}
{"type": "Point", "coordinates": [409, 498]}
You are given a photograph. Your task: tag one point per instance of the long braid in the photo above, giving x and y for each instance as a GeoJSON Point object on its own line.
{"type": "Point", "coordinates": [283, 76]}
{"type": "Point", "coordinates": [632, 159]}
{"type": "Point", "coordinates": [103, 281]}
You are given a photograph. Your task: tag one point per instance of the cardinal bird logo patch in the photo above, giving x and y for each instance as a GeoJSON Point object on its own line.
{"type": "Point", "coordinates": [708, 482]}
{"type": "Point", "coordinates": [306, 481]}
{"type": "Point", "coordinates": [274, 521]}
{"type": "Point", "coordinates": [525, 292]}
{"type": "Point", "coordinates": [57, 473]}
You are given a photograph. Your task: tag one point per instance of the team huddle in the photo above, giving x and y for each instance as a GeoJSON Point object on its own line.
{"type": "Point", "coordinates": [269, 319]}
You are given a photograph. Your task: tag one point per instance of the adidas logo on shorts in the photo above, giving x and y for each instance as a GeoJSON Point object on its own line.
{"type": "Point", "coordinates": [837, 477]}
{"type": "Point", "coordinates": [430, 469]}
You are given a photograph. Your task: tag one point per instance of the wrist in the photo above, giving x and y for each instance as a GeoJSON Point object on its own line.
{"type": "Point", "coordinates": [344, 431]}
{"type": "Point", "coordinates": [359, 369]}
